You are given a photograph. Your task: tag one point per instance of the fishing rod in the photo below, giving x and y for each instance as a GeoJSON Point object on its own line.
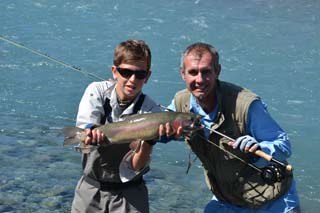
{"type": "Point", "coordinates": [259, 153]}
{"type": "Point", "coordinates": [270, 174]}
{"type": "Point", "coordinates": [92, 75]}
{"type": "Point", "coordinates": [77, 69]}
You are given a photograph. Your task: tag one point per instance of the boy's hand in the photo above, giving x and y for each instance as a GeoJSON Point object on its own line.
{"type": "Point", "coordinates": [95, 137]}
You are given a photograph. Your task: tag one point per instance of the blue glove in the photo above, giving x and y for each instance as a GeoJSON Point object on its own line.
{"type": "Point", "coordinates": [245, 142]}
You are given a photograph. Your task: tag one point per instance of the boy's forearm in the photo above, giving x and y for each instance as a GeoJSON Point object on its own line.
{"type": "Point", "coordinates": [142, 156]}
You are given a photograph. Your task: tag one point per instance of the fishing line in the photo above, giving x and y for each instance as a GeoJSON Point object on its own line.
{"type": "Point", "coordinates": [235, 156]}
{"type": "Point", "coordinates": [92, 75]}
{"type": "Point", "coordinates": [230, 153]}
{"type": "Point", "coordinates": [44, 55]}
{"type": "Point", "coordinates": [257, 152]}
{"type": "Point", "coordinates": [223, 135]}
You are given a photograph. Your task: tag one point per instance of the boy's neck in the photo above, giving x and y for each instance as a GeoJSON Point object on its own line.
{"type": "Point", "coordinates": [122, 102]}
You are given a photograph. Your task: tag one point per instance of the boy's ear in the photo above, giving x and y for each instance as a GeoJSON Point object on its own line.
{"type": "Point", "coordinates": [148, 76]}
{"type": "Point", "coordinates": [114, 72]}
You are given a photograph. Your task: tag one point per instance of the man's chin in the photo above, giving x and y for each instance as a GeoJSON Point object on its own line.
{"type": "Point", "coordinates": [199, 95]}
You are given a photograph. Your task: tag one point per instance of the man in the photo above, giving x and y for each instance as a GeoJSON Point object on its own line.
{"type": "Point", "coordinates": [232, 172]}
{"type": "Point", "coordinates": [112, 175]}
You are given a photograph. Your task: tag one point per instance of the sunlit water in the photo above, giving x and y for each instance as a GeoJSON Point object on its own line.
{"type": "Point", "coordinates": [271, 47]}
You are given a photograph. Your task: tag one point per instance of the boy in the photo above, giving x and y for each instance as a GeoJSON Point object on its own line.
{"type": "Point", "coordinates": [113, 175]}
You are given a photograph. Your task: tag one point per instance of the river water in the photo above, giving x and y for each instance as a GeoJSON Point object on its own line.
{"type": "Point", "coordinates": [271, 47]}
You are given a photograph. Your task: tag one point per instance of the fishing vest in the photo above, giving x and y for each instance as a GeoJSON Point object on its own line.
{"type": "Point", "coordinates": [227, 177]}
{"type": "Point", "coordinates": [102, 164]}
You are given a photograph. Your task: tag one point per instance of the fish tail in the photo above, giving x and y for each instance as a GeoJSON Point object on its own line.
{"type": "Point", "coordinates": [72, 135]}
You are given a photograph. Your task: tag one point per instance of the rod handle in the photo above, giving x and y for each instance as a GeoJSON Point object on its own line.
{"type": "Point", "coordinates": [269, 158]}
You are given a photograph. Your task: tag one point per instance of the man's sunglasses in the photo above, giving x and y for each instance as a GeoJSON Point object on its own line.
{"type": "Point", "coordinates": [127, 73]}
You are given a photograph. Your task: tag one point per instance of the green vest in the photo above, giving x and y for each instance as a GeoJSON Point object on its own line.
{"type": "Point", "coordinates": [227, 177]}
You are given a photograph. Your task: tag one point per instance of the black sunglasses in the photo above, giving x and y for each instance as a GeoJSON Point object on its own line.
{"type": "Point", "coordinates": [127, 73]}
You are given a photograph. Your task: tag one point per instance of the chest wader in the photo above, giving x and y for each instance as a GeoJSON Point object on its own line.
{"type": "Point", "coordinates": [227, 177]}
{"type": "Point", "coordinates": [102, 164]}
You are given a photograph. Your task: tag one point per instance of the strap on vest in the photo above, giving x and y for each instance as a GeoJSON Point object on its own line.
{"type": "Point", "coordinates": [108, 186]}
{"type": "Point", "coordinates": [107, 108]}
{"type": "Point", "coordinates": [139, 103]}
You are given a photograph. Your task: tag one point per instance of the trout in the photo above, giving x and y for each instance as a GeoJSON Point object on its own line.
{"type": "Point", "coordinates": [138, 126]}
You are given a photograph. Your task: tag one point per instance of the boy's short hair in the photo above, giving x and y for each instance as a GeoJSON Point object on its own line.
{"type": "Point", "coordinates": [132, 51]}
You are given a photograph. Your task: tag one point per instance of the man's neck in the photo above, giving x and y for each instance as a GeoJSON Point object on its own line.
{"type": "Point", "coordinates": [209, 103]}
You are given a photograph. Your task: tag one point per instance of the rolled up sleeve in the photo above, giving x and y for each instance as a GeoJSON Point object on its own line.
{"type": "Point", "coordinates": [273, 140]}
{"type": "Point", "coordinates": [126, 172]}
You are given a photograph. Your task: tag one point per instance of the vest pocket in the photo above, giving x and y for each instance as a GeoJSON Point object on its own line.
{"type": "Point", "coordinates": [254, 192]}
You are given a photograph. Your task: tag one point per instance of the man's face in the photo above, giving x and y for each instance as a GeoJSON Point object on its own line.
{"type": "Point", "coordinates": [128, 84]}
{"type": "Point", "coordinates": [200, 76]}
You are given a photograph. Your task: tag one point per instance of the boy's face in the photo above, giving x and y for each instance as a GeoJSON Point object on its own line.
{"type": "Point", "coordinates": [130, 79]}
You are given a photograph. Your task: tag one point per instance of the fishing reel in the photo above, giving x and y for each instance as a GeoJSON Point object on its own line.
{"type": "Point", "coordinates": [273, 173]}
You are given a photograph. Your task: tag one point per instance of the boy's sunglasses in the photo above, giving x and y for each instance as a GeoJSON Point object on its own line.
{"type": "Point", "coordinates": [127, 73]}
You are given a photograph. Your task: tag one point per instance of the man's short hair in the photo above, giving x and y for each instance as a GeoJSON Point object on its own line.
{"type": "Point", "coordinates": [199, 49]}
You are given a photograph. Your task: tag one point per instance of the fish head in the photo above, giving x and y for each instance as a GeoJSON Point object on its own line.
{"type": "Point", "coordinates": [190, 122]}
{"type": "Point", "coordinates": [195, 124]}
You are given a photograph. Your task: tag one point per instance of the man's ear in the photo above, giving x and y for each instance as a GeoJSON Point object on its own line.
{"type": "Point", "coordinates": [218, 70]}
{"type": "Point", "coordinates": [183, 73]}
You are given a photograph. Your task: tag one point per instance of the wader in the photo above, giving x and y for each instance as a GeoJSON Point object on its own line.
{"type": "Point", "coordinates": [229, 179]}
{"type": "Point", "coordinates": [100, 189]}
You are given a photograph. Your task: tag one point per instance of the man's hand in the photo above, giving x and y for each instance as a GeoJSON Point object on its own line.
{"type": "Point", "coordinates": [167, 133]}
{"type": "Point", "coordinates": [245, 144]}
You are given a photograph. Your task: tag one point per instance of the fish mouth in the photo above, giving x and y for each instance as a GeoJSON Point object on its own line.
{"type": "Point", "coordinates": [194, 126]}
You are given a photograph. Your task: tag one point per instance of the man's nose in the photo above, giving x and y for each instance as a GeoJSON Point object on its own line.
{"type": "Point", "coordinates": [199, 77]}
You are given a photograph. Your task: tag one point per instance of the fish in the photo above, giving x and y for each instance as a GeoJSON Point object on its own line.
{"type": "Point", "coordinates": [139, 126]}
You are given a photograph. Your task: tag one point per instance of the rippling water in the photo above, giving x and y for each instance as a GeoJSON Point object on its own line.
{"type": "Point", "coordinates": [271, 47]}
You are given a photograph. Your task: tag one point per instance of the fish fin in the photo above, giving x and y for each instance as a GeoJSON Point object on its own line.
{"type": "Point", "coordinates": [72, 135]}
{"type": "Point", "coordinates": [85, 148]}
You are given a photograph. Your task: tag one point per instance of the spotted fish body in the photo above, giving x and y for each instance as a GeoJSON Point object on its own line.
{"type": "Point", "coordinates": [139, 126]}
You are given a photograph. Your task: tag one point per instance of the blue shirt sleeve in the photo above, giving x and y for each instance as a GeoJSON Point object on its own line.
{"type": "Point", "coordinates": [172, 106]}
{"type": "Point", "coordinates": [272, 139]}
